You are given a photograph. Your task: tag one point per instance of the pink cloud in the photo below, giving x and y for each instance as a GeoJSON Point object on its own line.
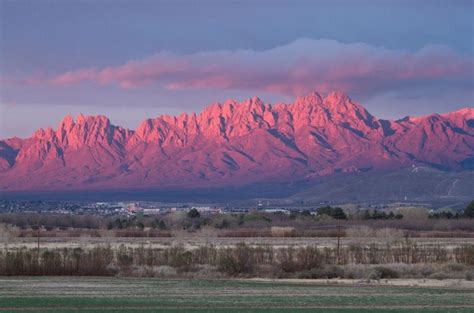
{"type": "Point", "coordinates": [295, 68]}
{"type": "Point", "coordinates": [75, 77]}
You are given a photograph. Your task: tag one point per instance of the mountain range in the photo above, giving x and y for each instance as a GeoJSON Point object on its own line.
{"type": "Point", "coordinates": [234, 144]}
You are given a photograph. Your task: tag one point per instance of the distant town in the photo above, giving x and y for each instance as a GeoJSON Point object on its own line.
{"type": "Point", "coordinates": [131, 208]}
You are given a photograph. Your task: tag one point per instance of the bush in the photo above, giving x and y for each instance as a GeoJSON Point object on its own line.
{"type": "Point", "coordinates": [454, 267]}
{"type": "Point", "coordinates": [427, 271]}
{"type": "Point", "coordinates": [382, 272]}
{"type": "Point", "coordinates": [314, 273]}
{"type": "Point", "coordinates": [224, 223]}
{"type": "Point", "coordinates": [470, 275]}
{"type": "Point", "coordinates": [469, 210]}
{"type": "Point", "coordinates": [182, 260]}
{"type": "Point", "coordinates": [439, 275]}
{"type": "Point", "coordinates": [193, 213]}
{"type": "Point", "coordinates": [157, 223]}
{"type": "Point", "coordinates": [465, 254]}
{"type": "Point", "coordinates": [282, 231]}
{"type": "Point", "coordinates": [336, 212]}
{"type": "Point", "coordinates": [380, 215]}
{"type": "Point", "coordinates": [329, 272]}
{"type": "Point", "coordinates": [124, 257]}
{"type": "Point", "coordinates": [309, 257]}
{"type": "Point", "coordinates": [235, 260]}
{"type": "Point", "coordinates": [333, 271]}
{"type": "Point", "coordinates": [286, 260]}
{"type": "Point", "coordinates": [302, 259]}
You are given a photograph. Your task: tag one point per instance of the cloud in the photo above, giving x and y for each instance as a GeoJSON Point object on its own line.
{"type": "Point", "coordinates": [295, 68]}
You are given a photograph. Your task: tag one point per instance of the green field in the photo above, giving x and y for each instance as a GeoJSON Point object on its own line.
{"type": "Point", "coordinates": [68, 294]}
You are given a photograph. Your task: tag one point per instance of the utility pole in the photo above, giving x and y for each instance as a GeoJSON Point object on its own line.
{"type": "Point", "coordinates": [338, 242]}
{"type": "Point", "coordinates": [38, 252]}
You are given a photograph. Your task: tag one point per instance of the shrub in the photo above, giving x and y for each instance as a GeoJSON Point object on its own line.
{"type": "Point", "coordinates": [309, 257]}
{"type": "Point", "coordinates": [282, 231]}
{"type": "Point", "coordinates": [314, 273]}
{"type": "Point", "coordinates": [382, 272]}
{"type": "Point", "coordinates": [379, 215]}
{"type": "Point", "coordinates": [235, 260]}
{"type": "Point", "coordinates": [454, 267]}
{"type": "Point", "coordinates": [360, 232]}
{"type": "Point", "coordinates": [180, 258]}
{"type": "Point", "coordinates": [328, 272]}
{"type": "Point", "coordinates": [124, 258]}
{"type": "Point", "coordinates": [294, 260]}
{"type": "Point", "coordinates": [157, 223]}
{"type": "Point", "coordinates": [389, 235]}
{"type": "Point", "coordinates": [439, 275]}
{"type": "Point", "coordinates": [470, 275]}
{"type": "Point", "coordinates": [469, 210]}
{"type": "Point", "coordinates": [286, 259]}
{"type": "Point", "coordinates": [426, 271]}
{"type": "Point", "coordinates": [224, 223]}
{"type": "Point", "coordinates": [194, 213]}
{"type": "Point", "coordinates": [373, 275]}
{"type": "Point", "coordinates": [336, 212]}
{"type": "Point", "coordinates": [465, 254]}
{"type": "Point", "coordinates": [333, 271]}
{"type": "Point", "coordinates": [254, 217]}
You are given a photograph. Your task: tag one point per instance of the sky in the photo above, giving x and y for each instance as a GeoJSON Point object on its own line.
{"type": "Point", "coordinates": [132, 60]}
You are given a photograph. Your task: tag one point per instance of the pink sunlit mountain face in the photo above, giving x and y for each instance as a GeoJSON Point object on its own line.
{"type": "Point", "coordinates": [233, 144]}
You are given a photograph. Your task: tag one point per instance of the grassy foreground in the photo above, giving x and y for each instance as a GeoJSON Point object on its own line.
{"type": "Point", "coordinates": [69, 294]}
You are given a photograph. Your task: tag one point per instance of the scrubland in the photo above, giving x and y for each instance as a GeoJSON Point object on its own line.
{"type": "Point", "coordinates": [251, 245]}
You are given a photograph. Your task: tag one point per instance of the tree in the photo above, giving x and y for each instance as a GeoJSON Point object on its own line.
{"type": "Point", "coordinates": [161, 224]}
{"type": "Point", "coordinates": [336, 213]}
{"type": "Point", "coordinates": [157, 223]}
{"type": "Point", "coordinates": [193, 213]}
{"type": "Point", "coordinates": [224, 223]}
{"type": "Point", "coordinates": [327, 210]}
{"type": "Point", "coordinates": [469, 210]}
{"type": "Point", "coordinates": [118, 224]}
{"type": "Point", "coordinates": [339, 214]}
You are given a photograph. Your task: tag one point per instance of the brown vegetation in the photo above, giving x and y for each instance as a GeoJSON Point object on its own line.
{"type": "Point", "coordinates": [375, 248]}
{"type": "Point", "coordinates": [245, 260]}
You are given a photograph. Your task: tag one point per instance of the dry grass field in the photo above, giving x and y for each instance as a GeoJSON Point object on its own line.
{"type": "Point", "coordinates": [199, 239]}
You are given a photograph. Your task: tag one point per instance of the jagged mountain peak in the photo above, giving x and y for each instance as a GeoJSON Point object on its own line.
{"type": "Point", "coordinates": [44, 133]}
{"type": "Point", "coordinates": [233, 143]}
{"type": "Point", "coordinates": [464, 112]}
{"type": "Point", "coordinates": [67, 122]}
{"type": "Point", "coordinates": [312, 98]}
{"type": "Point", "coordinates": [337, 96]}
{"type": "Point", "coordinates": [90, 119]}
{"type": "Point", "coordinates": [337, 101]}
